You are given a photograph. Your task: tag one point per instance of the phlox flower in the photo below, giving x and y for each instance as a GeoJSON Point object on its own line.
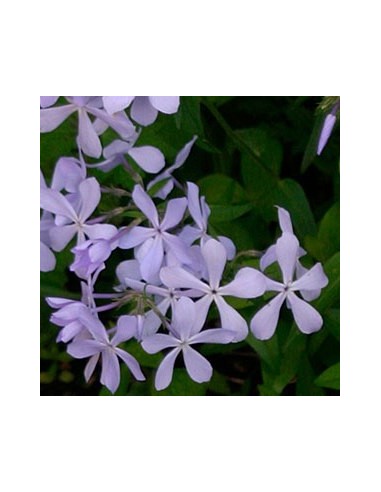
{"type": "Point", "coordinates": [67, 317]}
{"type": "Point", "coordinates": [71, 220]}
{"type": "Point", "coordinates": [185, 330]}
{"type": "Point", "coordinates": [306, 317]}
{"type": "Point", "coordinates": [155, 240]}
{"type": "Point", "coordinates": [91, 255]}
{"type": "Point", "coordinates": [248, 283]}
{"type": "Point", "coordinates": [97, 344]}
{"type": "Point", "coordinates": [88, 139]}
{"type": "Point", "coordinates": [270, 256]}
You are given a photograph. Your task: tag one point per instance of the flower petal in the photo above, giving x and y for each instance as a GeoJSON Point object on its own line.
{"type": "Point", "coordinates": [198, 368]}
{"type": "Point", "coordinates": [54, 202]}
{"type": "Point", "coordinates": [215, 335]}
{"type": "Point", "coordinates": [100, 231]}
{"type": "Point", "coordinates": [151, 263]}
{"type": "Point", "coordinates": [135, 236]}
{"type": "Point", "coordinates": [194, 205]}
{"type": "Point", "coordinates": [306, 317]}
{"type": "Point", "coordinates": [287, 248]}
{"type": "Point", "coordinates": [164, 372]}
{"type": "Point", "coordinates": [284, 220]}
{"type": "Point", "coordinates": [144, 202]}
{"type": "Point", "coordinates": [156, 343]}
{"type": "Point", "coordinates": [148, 158]}
{"type": "Point", "coordinates": [125, 329]}
{"type": "Point", "coordinates": [46, 101]}
{"type": "Point", "coordinates": [178, 278]}
{"type": "Point", "coordinates": [90, 366]}
{"type": "Point", "coordinates": [177, 247]}
{"type": "Point", "coordinates": [264, 322]}
{"type": "Point", "coordinates": [51, 118]}
{"type": "Point", "coordinates": [47, 258]}
{"type": "Point", "coordinates": [215, 258]}
{"type": "Point", "coordinates": [110, 375]}
{"type": "Point", "coordinates": [142, 111]}
{"type": "Point", "coordinates": [183, 154]}
{"type": "Point", "coordinates": [88, 139]}
{"type": "Point", "coordinates": [326, 131]}
{"type": "Point", "coordinates": [183, 316]}
{"type": "Point", "coordinates": [228, 245]}
{"type": "Point", "coordinates": [231, 320]}
{"type": "Point", "coordinates": [202, 307]}
{"type": "Point", "coordinates": [248, 283]}
{"type": "Point", "coordinates": [84, 348]}
{"type": "Point", "coordinates": [113, 104]}
{"type": "Point", "coordinates": [268, 258]}
{"type": "Point", "coordinates": [90, 193]}
{"type": "Point", "coordinates": [61, 236]}
{"type": "Point", "coordinates": [173, 213]}
{"type": "Point", "coordinates": [313, 279]}
{"type": "Point", "coordinates": [165, 104]}
{"type": "Point", "coordinates": [131, 363]}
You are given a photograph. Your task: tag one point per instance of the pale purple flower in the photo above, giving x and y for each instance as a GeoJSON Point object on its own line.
{"type": "Point", "coordinates": [306, 317]}
{"type": "Point", "coordinates": [149, 158]}
{"type": "Point", "coordinates": [327, 128]}
{"type": "Point", "coordinates": [248, 283]}
{"type": "Point", "coordinates": [200, 211]}
{"type": "Point", "coordinates": [97, 344]}
{"type": "Point", "coordinates": [185, 330]}
{"type": "Point", "coordinates": [144, 109]}
{"type": "Point", "coordinates": [166, 176]}
{"type": "Point", "coordinates": [270, 256]}
{"type": "Point", "coordinates": [91, 255]}
{"type": "Point", "coordinates": [88, 139]}
{"type": "Point", "coordinates": [74, 220]}
{"type": "Point", "coordinates": [67, 317]}
{"type": "Point", "coordinates": [47, 258]}
{"type": "Point", "coordinates": [155, 240]}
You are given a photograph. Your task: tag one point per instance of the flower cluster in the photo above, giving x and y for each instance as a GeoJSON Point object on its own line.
{"type": "Point", "coordinates": [174, 270]}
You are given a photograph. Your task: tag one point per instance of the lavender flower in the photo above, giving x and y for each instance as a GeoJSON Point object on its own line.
{"type": "Point", "coordinates": [71, 220]}
{"type": "Point", "coordinates": [97, 344]}
{"type": "Point", "coordinates": [155, 240]}
{"type": "Point", "coordinates": [308, 320]}
{"type": "Point", "coordinates": [91, 255]}
{"type": "Point", "coordinates": [248, 283]}
{"type": "Point", "coordinates": [185, 330]}
{"type": "Point", "coordinates": [88, 139]}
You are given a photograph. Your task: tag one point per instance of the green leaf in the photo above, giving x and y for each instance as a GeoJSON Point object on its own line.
{"type": "Point", "coordinates": [330, 378]}
{"type": "Point", "coordinates": [327, 241]}
{"type": "Point", "coordinates": [292, 197]}
{"type": "Point", "coordinates": [188, 118]}
{"type": "Point", "coordinates": [225, 213]}
{"type": "Point", "coordinates": [221, 189]}
{"type": "Point", "coordinates": [268, 351]}
{"type": "Point", "coordinates": [268, 149]}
